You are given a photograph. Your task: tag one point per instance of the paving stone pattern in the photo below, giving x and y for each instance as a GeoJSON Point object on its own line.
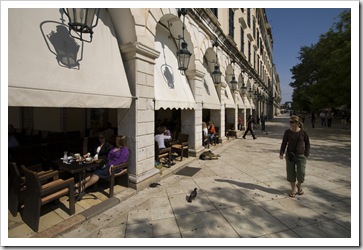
{"type": "Point", "coordinates": [243, 194]}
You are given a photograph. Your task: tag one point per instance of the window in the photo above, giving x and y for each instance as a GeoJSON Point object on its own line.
{"type": "Point", "coordinates": [249, 17]}
{"type": "Point", "coordinates": [258, 35]}
{"type": "Point", "coordinates": [261, 66]}
{"type": "Point", "coordinates": [254, 59]}
{"type": "Point", "coordinates": [254, 28]}
{"type": "Point", "coordinates": [242, 40]}
{"type": "Point", "coordinates": [249, 51]}
{"type": "Point", "coordinates": [215, 11]}
{"type": "Point", "coordinates": [231, 23]}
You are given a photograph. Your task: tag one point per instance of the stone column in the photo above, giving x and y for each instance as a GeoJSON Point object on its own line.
{"type": "Point", "coordinates": [222, 128]}
{"type": "Point", "coordinates": [196, 78]}
{"type": "Point", "coordinates": [137, 122]}
{"type": "Point", "coordinates": [235, 93]}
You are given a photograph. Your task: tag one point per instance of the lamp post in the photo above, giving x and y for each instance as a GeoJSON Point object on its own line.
{"type": "Point", "coordinates": [81, 21]}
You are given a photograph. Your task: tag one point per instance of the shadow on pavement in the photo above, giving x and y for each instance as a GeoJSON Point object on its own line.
{"type": "Point", "coordinates": [251, 186]}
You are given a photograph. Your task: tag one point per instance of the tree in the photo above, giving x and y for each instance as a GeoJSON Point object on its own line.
{"type": "Point", "coordinates": [323, 76]}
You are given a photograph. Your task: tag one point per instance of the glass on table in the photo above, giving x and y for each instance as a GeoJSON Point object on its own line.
{"type": "Point", "coordinates": [65, 156]}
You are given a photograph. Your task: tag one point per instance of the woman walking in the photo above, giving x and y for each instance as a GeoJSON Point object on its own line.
{"type": "Point", "coordinates": [298, 149]}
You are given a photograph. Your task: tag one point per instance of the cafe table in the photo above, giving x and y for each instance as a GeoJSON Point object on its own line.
{"type": "Point", "coordinates": [79, 168]}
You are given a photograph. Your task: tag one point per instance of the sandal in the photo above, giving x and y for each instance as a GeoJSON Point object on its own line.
{"type": "Point", "coordinates": [300, 192]}
{"type": "Point", "coordinates": [77, 192]}
{"type": "Point", "coordinates": [292, 195]}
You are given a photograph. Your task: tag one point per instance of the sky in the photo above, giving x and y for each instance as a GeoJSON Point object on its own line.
{"type": "Point", "coordinates": [291, 29]}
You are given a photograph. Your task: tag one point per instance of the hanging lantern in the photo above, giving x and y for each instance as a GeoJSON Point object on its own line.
{"type": "Point", "coordinates": [81, 21]}
{"type": "Point", "coordinates": [233, 83]}
{"type": "Point", "coordinates": [183, 56]}
{"type": "Point", "coordinates": [217, 75]}
{"type": "Point", "coordinates": [244, 89]}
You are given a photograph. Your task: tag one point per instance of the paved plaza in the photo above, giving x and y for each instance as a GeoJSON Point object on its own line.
{"type": "Point", "coordinates": [243, 194]}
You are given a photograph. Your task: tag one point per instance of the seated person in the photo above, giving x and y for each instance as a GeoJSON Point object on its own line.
{"type": "Point", "coordinates": [119, 154]}
{"type": "Point", "coordinates": [212, 132]}
{"type": "Point", "coordinates": [103, 149]}
{"type": "Point", "coordinates": [161, 137]}
{"type": "Point", "coordinates": [205, 133]}
{"type": "Point", "coordinates": [167, 133]}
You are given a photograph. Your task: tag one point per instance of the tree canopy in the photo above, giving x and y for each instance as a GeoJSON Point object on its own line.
{"type": "Point", "coordinates": [322, 78]}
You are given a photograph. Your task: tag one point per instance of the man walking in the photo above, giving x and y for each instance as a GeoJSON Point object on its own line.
{"type": "Point", "coordinates": [250, 125]}
{"type": "Point", "coordinates": [263, 123]}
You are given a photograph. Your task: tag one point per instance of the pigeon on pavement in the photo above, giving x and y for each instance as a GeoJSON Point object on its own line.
{"type": "Point", "coordinates": [192, 195]}
{"type": "Point", "coordinates": [154, 184]}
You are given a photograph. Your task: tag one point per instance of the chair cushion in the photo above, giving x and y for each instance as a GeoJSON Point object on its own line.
{"type": "Point", "coordinates": [53, 183]}
{"type": "Point", "coordinates": [55, 195]}
{"type": "Point", "coordinates": [178, 146]}
{"type": "Point", "coordinates": [124, 171]}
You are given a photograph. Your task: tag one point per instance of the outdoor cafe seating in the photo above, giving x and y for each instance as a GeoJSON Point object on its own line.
{"type": "Point", "coordinates": [17, 186]}
{"type": "Point", "coordinates": [162, 153]}
{"type": "Point", "coordinates": [181, 146]}
{"type": "Point", "coordinates": [37, 194]}
{"type": "Point", "coordinates": [81, 168]}
{"type": "Point", "coordinates": [115, 173]}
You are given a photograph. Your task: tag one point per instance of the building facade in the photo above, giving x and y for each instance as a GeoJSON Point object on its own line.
{"type": "Point", "coordinates": [128, 75]}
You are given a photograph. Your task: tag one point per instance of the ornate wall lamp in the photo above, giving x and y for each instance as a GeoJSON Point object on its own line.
{"type": "Point", "coordinates": [233, 82]}
{"type": "Point", "coordinates": [244, 89]}
{"type": "Point", "coordinates": [250, 92]}
{"type": "Point", "coordinates": [216, 74]}
{"type": "Point", "coordinates": [183, 54]}
{"type": "Point", "coordinates": [81, 21]}
{"type": "Point", "coordinates": [256, 95]}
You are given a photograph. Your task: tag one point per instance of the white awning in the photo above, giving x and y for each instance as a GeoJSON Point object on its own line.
{"type": "Point", "coordinates": [239, 101]}
{"type": "Point", "coordinates": [229, 102]}
{"type": "Point", "coordinates": [246, 102]}
{"type": "Point", "coordinates": [252, 104]}
{"type": "Point", "coordinates": [49, 68]}
{"type": "Point", "coordinates": [209, 92]}
{"type": "Point", "coordinates": [172, 89]}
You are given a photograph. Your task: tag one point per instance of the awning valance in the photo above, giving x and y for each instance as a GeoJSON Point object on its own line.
{"type": "Point", "coordinates": [246, 102]}
{"type": "Point", "coordinates": [252, 104]}
{"type": "Point", "coordinates": [239, 101]}
{"type": "Point", "coordinates": [49, 68]}
{"type": "Point", "coordinates": [209, 94]}
{"type": "Point", "coordinates": [172, 89]}
{"type": "Point", "coordinates": [229, 102]}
